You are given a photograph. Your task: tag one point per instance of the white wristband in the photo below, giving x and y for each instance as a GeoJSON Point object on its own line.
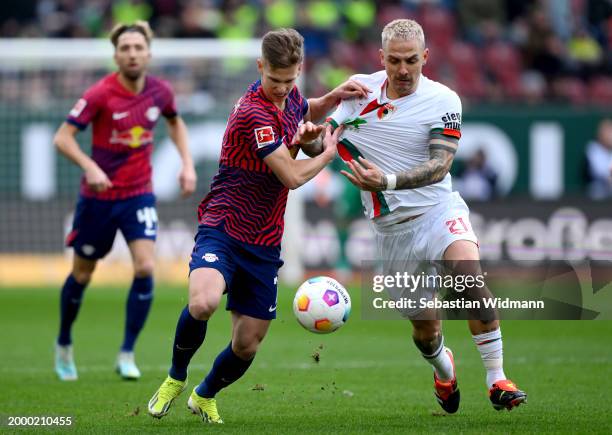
{"type": "Point", "coordinates": [391, 181]}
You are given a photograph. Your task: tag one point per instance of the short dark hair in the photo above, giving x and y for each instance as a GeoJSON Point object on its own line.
{"type": "Point", "coordinates": [282, 48]}
{"type": "Point", "coordinates": [141, 27]}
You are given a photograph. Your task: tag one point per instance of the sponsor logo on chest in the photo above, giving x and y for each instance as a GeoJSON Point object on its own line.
{"type": "Point", "coordinates": [385, 111]}
{"type": "Point", "coordinates": [134, 137]}
{"type": "Point", "coordinates": [152, 113]}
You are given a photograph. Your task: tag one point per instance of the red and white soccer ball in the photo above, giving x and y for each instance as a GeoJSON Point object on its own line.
{"type": "Point", "coordinates": [322, 305]}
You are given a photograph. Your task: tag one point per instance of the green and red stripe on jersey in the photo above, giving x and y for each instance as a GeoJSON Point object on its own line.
{"type": "Point", "coordinates": [348, 152]}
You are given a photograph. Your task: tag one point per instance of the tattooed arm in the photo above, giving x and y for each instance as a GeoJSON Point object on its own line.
{"type": "Point", "coordinates": [441, 155]}
{"type": "Point", "coordinates": [367, 176]}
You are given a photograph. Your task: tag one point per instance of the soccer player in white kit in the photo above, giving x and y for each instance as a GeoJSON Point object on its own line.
{"type": "Point", "coordinates": [399, 144]}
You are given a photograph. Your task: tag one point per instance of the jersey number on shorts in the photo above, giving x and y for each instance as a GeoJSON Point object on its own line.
{"type": "Point", "coordinates": [148, 216]}
{"type": "Point", "coordinates": [457, 226]}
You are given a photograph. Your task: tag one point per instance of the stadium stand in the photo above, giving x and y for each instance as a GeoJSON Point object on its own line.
{"type": "Point", "coordinates": [515, 50]}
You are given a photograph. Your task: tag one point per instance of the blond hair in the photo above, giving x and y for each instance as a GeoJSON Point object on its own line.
{"type": "Point", "coordinates": [139, 26]}
{"type": "Point", "coordinates": [404, 30]}
{"type": "Point", "coordinates": [283, 48]}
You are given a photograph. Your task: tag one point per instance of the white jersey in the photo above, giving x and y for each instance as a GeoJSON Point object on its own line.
{"type": "Point", "coordinates": [394, 135]}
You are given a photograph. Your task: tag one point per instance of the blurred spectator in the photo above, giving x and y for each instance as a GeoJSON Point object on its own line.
{"type": "Point", "coordinates": [280, 13]}
{"type": "Point", "coordinates": [544, 51]}
{"type": "Point", "coordinates": [599, 162]}
{"type": "Point", "coordinates": [199, 19]}
{"type": "Point", "coordinates": [360, 18]}
{"type": "Point", "coordinates": [585, 52]}
{"type": "Point", "coordinates": [560, 12]}
{"type": "Point", "coordinates": [477, 17]}
{"type": "Point", "coordinates": [128, 11]}
{"type": "Point", "coordinates": [328, 75]}
{"type": "Point", "coordinates": [322, 14]}
{"type": "Point", "coordinates": [490, 50]}
{"type": "Point", "coordinates": [599, 13]}
{"type": "Point", "coordinates": [476, 181]}
{"type": "Point", "coordinates": [240, 20]}
{"type": "Point", "coordinates": [533, 87]}
{"type": "Point", "coordinates": [318, 24]}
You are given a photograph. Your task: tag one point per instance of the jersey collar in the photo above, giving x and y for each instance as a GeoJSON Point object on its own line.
{"type": "Point", "coordinates": [258, 89]}
{"type": "Point", "coordinates": [125, 91]}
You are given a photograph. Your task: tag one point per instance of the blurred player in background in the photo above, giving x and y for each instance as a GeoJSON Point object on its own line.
{"type": "Point", "coordinates": [237, 248]}
{"type": "Point", "coordinates": [599, 162]}
{"type": "Point", "coordinates": [116, 189]}
{"type": "Point", "coordinates": [399, 144]}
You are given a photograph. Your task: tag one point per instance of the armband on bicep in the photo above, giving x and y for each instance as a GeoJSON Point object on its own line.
{"type": "Point", "coordinates": [444, 135]}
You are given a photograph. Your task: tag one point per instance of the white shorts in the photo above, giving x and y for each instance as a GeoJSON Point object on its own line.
{"type": "Point", "coordinates": [409, 247]}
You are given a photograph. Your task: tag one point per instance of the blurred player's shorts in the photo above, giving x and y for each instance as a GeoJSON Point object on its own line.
{"type": "Point", "coordinates": [96, 222]}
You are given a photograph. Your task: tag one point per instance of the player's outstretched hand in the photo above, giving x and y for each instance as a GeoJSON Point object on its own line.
{"type": "Point", "coordinates": [351, 89]}
{"type": "Point", "coordinates": [187, 180]}
{"type": "Point", "coordinates": [307, 132]}
{"type": "Point", "coordinates": [330, 141]}
{"type": "Point", "coordinates": [96, 179]}
{"type": "Point", "coordinates": [366, 175]}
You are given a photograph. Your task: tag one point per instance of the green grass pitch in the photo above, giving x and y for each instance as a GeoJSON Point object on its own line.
{"type": "Point", "coordinates": [370, 378]}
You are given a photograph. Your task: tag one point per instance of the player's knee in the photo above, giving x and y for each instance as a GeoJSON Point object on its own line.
{"type": "Point", "coordinates": [426, 332]}
{"type": "Point", "coordinates": [428, 344]}
{"type": "Point", "coordinates": [82, 275]}
{"type": "Point", "coordinates": [202, 308]}
{"type": "Point", "coordinates": [144, 268]}
{"type": "Point", "coordinates": [246, 349]}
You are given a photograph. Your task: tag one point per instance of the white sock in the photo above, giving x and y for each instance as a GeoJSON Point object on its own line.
{"type": "Point", "coordinates": [490, 347]}
{"type": "Point", "coordinates": [441, 362]}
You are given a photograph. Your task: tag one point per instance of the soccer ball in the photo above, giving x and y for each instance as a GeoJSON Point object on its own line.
{"type": "Point", "coordinates": [322, 305]}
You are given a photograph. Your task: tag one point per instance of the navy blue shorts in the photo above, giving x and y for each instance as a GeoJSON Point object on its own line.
{"type": "Point", "coordinates": [96, 223]}
{"type": "Point", "coordinates": [250, 271]}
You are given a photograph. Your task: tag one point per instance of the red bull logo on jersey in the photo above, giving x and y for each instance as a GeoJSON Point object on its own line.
{"type": "Point", "coordinates": [135, 137]}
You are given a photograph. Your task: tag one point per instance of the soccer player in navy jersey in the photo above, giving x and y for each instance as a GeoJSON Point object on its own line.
{"type": "Point", "coordinates": [237, 248]}
{"type": "Point", "coordinates": [116, 190]}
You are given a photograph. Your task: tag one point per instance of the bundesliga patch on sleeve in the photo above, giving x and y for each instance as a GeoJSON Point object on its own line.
{"type": "Point", "coordinates": [78, 107]}
{"type": "Point", "coordinates": [264, 136]}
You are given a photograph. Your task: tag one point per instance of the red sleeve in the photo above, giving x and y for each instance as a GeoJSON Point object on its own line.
{"type": "Point", "coordinates": [304, 105]}
{"type": "Point", "coordinates": [86, 108]}
{"type": "Point", "coordinates": [261, 130]}
{"type": "Point", "coordinates": [169, 110]}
